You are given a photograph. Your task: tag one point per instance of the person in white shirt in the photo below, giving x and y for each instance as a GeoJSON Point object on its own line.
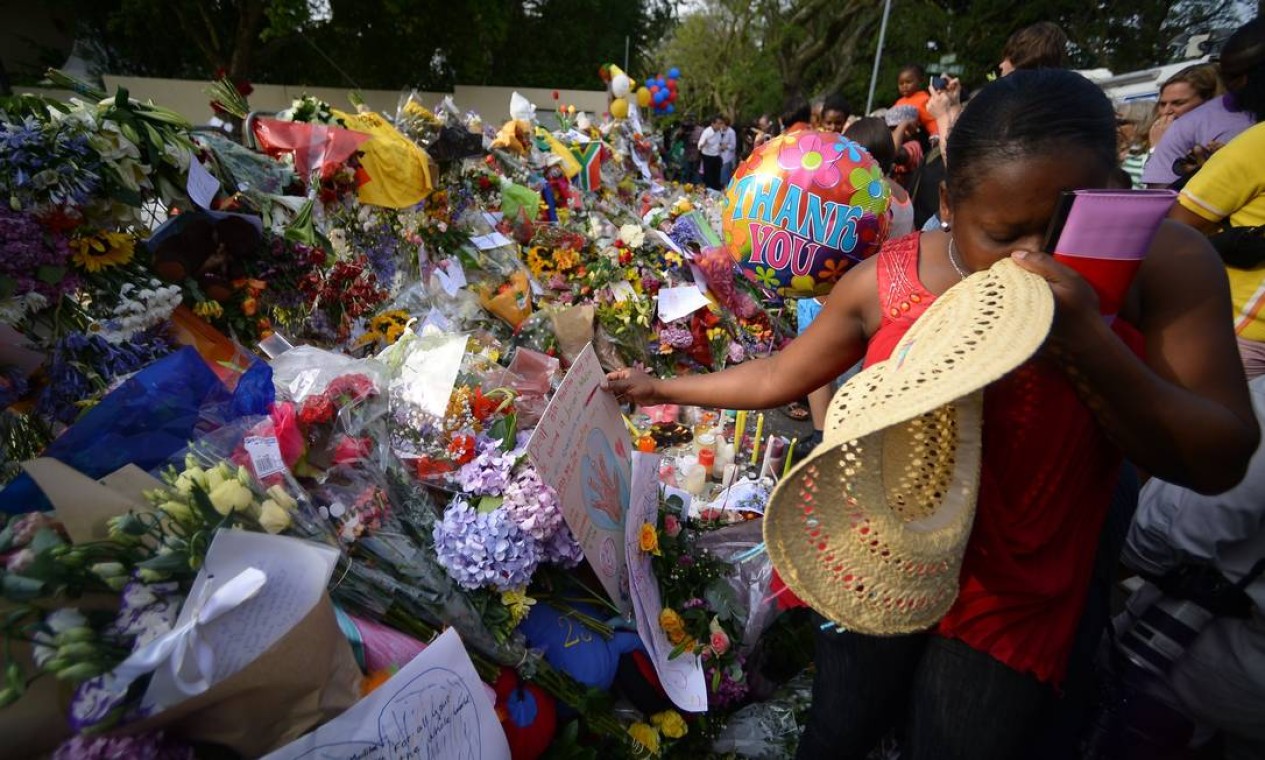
{"type": "Point", "coordinates": [728, 153]}
{"type": "Point", "coordinates": [710, 145]}
{"type": "Point", "coordinates": [1218, 683]}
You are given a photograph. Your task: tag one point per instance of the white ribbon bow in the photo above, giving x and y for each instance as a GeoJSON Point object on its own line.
{"type": "Point", "coordinates": [192, 659]}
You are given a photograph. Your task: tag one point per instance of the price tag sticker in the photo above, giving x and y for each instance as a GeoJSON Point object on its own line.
{"type": "Point", "coordinates": [265, 455]}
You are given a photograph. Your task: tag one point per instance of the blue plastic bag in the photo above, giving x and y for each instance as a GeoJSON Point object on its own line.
{"type": "Point", "coordinates": [151, 416]}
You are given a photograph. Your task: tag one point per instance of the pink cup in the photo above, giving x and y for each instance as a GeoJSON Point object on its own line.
{"type": "Point", "coordinates": [1105, 237]}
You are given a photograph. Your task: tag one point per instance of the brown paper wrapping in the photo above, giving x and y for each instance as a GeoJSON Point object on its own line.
{"type": "Point", "coordinates": [308, 677]}
{"type": "Point", "coordinates": [37, 723]}
{"type": "Point", "coordinates": [84, 505]}
{"type": "Point", "coordinates": [573, 325]}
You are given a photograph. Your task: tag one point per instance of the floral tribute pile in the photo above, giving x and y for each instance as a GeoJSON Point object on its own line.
{"type": "Point", "coordinates": [292, 345]}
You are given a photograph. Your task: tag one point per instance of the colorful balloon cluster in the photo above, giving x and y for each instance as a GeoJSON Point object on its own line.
{"type": "Point", "coordinates": [658, 93]}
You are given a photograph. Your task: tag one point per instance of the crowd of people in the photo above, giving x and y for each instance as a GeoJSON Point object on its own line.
{"type": "Point", "coordinates": [1170, 395]}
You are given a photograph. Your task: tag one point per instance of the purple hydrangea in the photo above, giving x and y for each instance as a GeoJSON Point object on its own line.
{"type": "Point", "coordinates": [488, 473]}
{"type": "Point", "coordinates": [485, 549]}
{"type": "Point", "coordinates": [533, 504]}
{"type": "Point", "coordinates": [153, 746]}
{"type": "Point", "coordinates": [736, 353]}
{"type": "Point", "coordinates": [563, 550]}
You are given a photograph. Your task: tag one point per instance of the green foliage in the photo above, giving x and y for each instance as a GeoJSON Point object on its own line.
{"type": "Point", "coordinates": [725, 65]}
{"type": "Point", "coordinates": [428, 44]}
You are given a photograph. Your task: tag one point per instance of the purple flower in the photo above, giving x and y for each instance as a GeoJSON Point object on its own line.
{"type": "Point", "coordinates": [533, 504]}
{"type": "Point", "coordinates": [676, 337]}
{"type": "Point", "coordinates": [732, 687]}
{"type": "Point", "coordinates": [81, 366]}
{"type": "Point", "coordinates": [47, 165]}
{"type": "Point", "coordinates": [32, 256]}
{"type": "Point", "coordinates": [563, 550]}
{"type": "Point", "coordinates": [488, 473]}
{"type": "Point", "coordinates": [485, 549]}
{"type": "Point", "coordinates": [736, 353]}
{"type": "Point", "coordinates": [153, 746]}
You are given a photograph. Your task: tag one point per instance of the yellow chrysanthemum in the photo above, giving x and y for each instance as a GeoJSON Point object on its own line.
{"type": "Point", "coordinates": [94, 253]}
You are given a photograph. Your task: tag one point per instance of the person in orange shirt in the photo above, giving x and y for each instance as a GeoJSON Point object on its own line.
{"type": "Point", "coordinates": [910, 85]}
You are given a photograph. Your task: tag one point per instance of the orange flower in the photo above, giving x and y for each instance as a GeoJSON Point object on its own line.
{"type": "Point", "coordinates": [250, 306]}
{"type": "Point", "coordinates": [373, 681]}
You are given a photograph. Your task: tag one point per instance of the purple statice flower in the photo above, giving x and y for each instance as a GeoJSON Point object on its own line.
{"type": "Point", "coordinates": [30, 256]}
{"type": "Point", "coordinates": [532, 504]}
{"type": "Point", "coordinates": [154, 746]}
{"type": "Point", "coordinates": [485, 549]}
{"type": "Point", "coordinates": [562, 549]}
{"type": "Point", "coordinates": [488, 473]}
{"type": "Point", "coordinates": [81, 366]}
{"type": "Point", "coordinates": [676, 337]}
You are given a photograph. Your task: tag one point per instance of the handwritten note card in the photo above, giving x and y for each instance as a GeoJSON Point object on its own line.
{"type": "Point", "coordinates": [582, 449]}
{"type": "Point", "coordinates": [682, 677]}
{"type": "Point", "coordinates": [452, 276]}
{"type": "Point", "coordinates": [435, 708]}
{"type": "Point", "coordinates": [683, 301]}
{"type": "Point", "coordinates": [491, 240]}
{"type": "Point", "coordinates": [297, 573]}
{"type": "Point", "coordinates": [201, 185]}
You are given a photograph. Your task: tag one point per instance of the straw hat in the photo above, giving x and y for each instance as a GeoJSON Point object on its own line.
{"type": "Point", "coordinates": [871, 528]}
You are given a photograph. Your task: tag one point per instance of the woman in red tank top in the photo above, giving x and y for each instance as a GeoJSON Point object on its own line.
{"type": "Point", "coordinates": [1161, 386]}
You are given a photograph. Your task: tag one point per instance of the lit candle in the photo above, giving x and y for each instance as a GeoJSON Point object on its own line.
{"type": "Point", "coordinates": [759, 431]}
{"type": "Point", "coordinates": [790, 454]}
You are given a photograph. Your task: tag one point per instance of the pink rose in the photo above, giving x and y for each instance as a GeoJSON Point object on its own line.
{"type": "Point", "coordinates": [671, 526]}
{"type": "Point", "coordinates": [720, 642]}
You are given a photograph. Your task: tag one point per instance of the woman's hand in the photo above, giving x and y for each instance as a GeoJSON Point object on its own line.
{"type": "Point", "coordinates": [1161, 125]}
{"type": "Point", "coordinates": [1075, 302]}
{"type": "Point", "coordinates": [633, 385]}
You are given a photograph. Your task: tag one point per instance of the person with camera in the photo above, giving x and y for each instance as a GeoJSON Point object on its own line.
{"type": "Point", "coordinates": [1190, 647]}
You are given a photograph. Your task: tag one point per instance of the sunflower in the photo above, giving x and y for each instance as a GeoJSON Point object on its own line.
{"type": "Point", "coordinates": [537, 262]}
{"type": "Point", "coordinates": [103, 250]}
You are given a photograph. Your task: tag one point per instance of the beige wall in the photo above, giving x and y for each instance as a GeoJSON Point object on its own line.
{"type": "Point", "coordinates": [188, 97]}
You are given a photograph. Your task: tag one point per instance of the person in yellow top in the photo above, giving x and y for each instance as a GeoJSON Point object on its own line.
{"type": "Point", "coordinates": [1230, 190]}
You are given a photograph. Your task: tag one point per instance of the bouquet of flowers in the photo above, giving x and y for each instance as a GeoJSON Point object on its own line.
{"type": "Point", "coordinates": [700, 613]}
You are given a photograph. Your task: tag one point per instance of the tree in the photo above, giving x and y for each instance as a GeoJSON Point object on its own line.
{"type": "Point", "coordinates": [818, 42]}
{"type": "Point", "coordinates": [725, 65]}
{"type": "Point", "coordinates": [429, 44]}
